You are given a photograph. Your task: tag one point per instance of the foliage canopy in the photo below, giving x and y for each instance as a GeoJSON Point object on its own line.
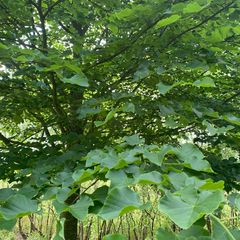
{"type": "Point", "coordinates": [123, 92]}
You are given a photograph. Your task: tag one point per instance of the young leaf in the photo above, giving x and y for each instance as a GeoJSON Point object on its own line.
{"type": "Point", "coordinates": [167, 21]}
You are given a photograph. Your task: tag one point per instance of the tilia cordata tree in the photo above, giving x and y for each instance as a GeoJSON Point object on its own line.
{"type": "Point", "coordinates": [119, 93]}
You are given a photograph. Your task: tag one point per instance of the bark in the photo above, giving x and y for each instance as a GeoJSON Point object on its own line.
{"type": "Point", "coordinates": [70, 227]}
{"type": "Point", "coordinates": [71, 223]}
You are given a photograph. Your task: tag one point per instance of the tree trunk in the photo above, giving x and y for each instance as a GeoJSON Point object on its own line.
{"type": "Point", "coordinates": [71, 223]}
{"type": "Point", "coordinates": [70, 227]}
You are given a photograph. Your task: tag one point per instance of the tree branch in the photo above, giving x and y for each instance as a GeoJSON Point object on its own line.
{"type": "Point", "coordinates": [176, 38]}
{"type": "Point", "coordinates": [51, 7]}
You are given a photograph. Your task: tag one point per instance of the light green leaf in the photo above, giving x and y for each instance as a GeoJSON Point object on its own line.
{"type": "Point", "coordinates": [191, 204]}
{"type": "Point", "coordinates": [167, 21]}
{"type": "Point", "coordinates": [18, 206]}
{"type": "Point", "coordinates": [22, 59]}
{"type": "Point", "coordinates": [210, 185]}
{"type": "Point", "coordinates": [119, 201]}
{"type": "Point", "coordinates": [192, 8]}
{"type": "Point", "coordinates": [78, 79]}
{"type": "Point", "coordinates": [232, 119]}
{"type": "Point", "coordinates": [60, 230]}
{"type": "Point", "coordinates": [73, 67]}
{"type": "Point", "coordinates": [219, 230]}
{"type": "Point", "coordinates": [80, 209]}
{"type": "Point", "coordinates": [109, 116]}
{"type": "Point", "coordinates": [113, 28]}
{"type": "Point", "coordinates": [204, 82]}
{"type": "Point", "coordinates": [2, 46]}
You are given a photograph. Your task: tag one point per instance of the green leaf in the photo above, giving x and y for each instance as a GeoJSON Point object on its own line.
{"type": "Point", "coordinates": [6, 193]}
{"type": "Point", "coordinates": [232, 119]}
{"type": "Point", "coordinates": [18, 206]}
{"type": "Point", "coordinates": [2, 46]}
{"type": "Point", "coordinates": [153, 177]}
{"type": "Point", "coordinates": [163, 234]}
{"type": "Point", "coordinates": [234, 199]}
{"type": "Point", "coordinates": [219, 230]}
{"type": "Point", "coordinates": [119, 201]}
{"type": "Point", "coordinates": [117, 177]}
{"type": "Point", "coordinates": [194, 231]}
{"type": "Point", "coordinates": [7, 224]}
{"type": "Point", "coordinates": [22, 59]}
{"type": "Point", "coordinates": [100, 194]}
{"type": "Point", "coordinates": [105, 158]}
{"type": "Point", "coordinates": [204, 82]}
{"type": "Point", "coordinates": [60, 207]}
{"type": "Point", "coordinates": [114, 237]}
{"type": "Point", "coordinates": [210, 185]}
{"type": "Point", "coordinates": [163, 89]}
{"type": "Point", "coordinates": [129, 107]}
{"type": "Point", "coordinates": [157, 156]}
{"type": "Point", "coordinates": [190, 204]}
{"type": "Point", "coordinates": [192, 8]}
{"type": "Point", "coordinates": [80, 209]}
{"type": "Point", "coordinates": [167, 21]}
{"type": "Point", "coordinates": [78, 79]}
{"type": "Point", "coordinates": [134, 140]}
{"type": "Point", "coordinates": [62, 194]}
{"type": "Point", "coordinates": [191, 155]}
{"type": "Point", "coordinates": [60, 230]}
{"type": "Point", "coordinates": [113, 28]}
{"type": "Point", "coordinates": [82, 175]}
{"type": "Point", "coordinates": [109, 116]}
{"type": "Point", "coordinates": [181, 180]}
{"type": "Point", "coordinates": [141, 73]}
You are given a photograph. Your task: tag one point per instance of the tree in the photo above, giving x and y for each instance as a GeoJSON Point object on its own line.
{"type": "Point", "coordinates": [126, 92]}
